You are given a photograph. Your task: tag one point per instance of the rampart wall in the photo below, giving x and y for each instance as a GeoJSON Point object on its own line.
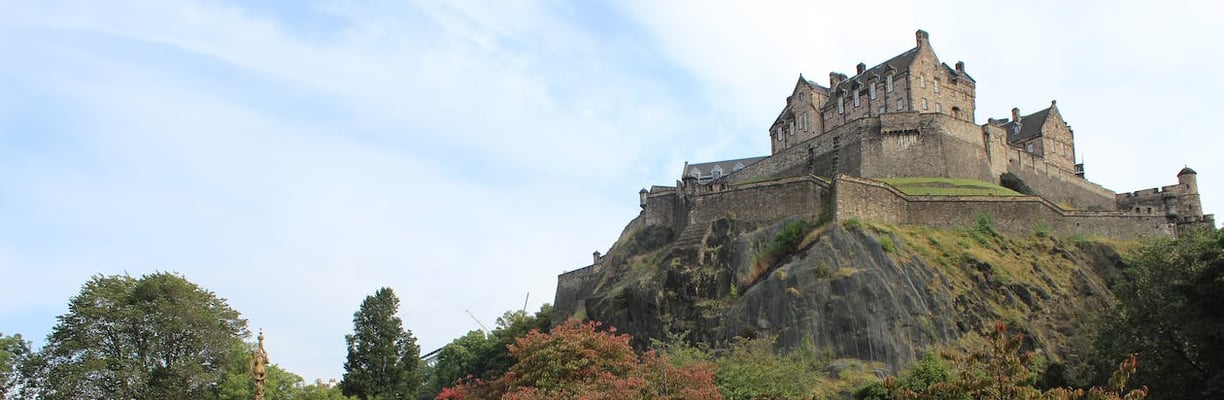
{"type": "Point", "coordinates": [574, 287]}
{"type": "Point", "coordinates": [762, 202]}
{"type": "Point", "coordinates": [861, 198]}
{"type": "Point", "coordinates": [925, 145]}
{"type": "Point", "coordinates": [1057, 184]}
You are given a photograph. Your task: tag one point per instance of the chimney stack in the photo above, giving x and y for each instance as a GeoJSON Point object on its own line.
{"type": "Point", "coordinates": [922, 37]}
{"type": "Point", "coordinates": [960, 66]}
{"type": "Point", "coordinates": [836, 79]}
{"type": "Point", "coordinates": [1015, 114]}
{"type": "Point", "coordinates": [860, 68]}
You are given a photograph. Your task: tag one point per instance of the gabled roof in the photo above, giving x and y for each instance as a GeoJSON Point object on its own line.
{"type": "Point", "coordinates": [1030, 126]}
{"type": "Point", "coordinates": [802, 81]}
{"type": "Point", "coordinates": [896, 65]}
{"type": "Point", "coordinates": [727, 166]}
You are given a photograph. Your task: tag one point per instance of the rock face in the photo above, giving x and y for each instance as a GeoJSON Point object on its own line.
{"type": "Point", "coordinates": [851, 289]}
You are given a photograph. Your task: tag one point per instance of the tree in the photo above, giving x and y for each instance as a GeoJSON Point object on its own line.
{"type": "Point", "coordinates": [13, 352]}
{"type": "Point", "coordinates": [485, 356]}
{"type": "Point", "coordinates": [1171, 313]}
{"type": "Point", "coordinates": [159, 336]}
{"type": "Point", "coordinates": [577, 361]}
{"type": "Point", "coordinates": [280, 384]}
{"type": "Point", "coordinates": [382, 355]}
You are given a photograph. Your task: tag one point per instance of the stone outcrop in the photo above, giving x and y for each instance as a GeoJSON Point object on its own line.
{"type": "Point", "coordinates": [854, 289]}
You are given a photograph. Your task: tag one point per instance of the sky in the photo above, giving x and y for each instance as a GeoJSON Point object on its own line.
{"type": "Point", "coordinates": [295, 156]}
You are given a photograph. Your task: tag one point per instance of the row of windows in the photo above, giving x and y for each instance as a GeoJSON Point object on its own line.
{"type": "Point", "coordinates": [922, 83]}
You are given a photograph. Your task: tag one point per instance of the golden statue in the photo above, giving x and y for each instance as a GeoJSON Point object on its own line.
{"type": "Point", "coordinates": [259, 367]}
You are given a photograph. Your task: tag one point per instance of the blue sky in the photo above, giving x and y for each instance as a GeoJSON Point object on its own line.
{"type": "Point", "coordinates": [294, 157]}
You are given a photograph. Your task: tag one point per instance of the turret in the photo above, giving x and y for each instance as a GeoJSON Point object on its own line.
{"type": "Point", "coordinates": [1189, 198]}
{"type": "Point", "coordinates": [642, 198]}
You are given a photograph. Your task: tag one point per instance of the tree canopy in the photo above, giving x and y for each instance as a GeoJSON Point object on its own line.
{"type": "Point", "coordinates": [1171, 313]}
{"type": "Point", "coordinates": [13, 352]}
{"type": "Point", "coordinates": [382, 355]}
{"type": "Point", "coordinates": [157, 336]}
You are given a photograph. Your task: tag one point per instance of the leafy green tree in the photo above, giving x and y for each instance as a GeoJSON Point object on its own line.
{"type": "Point", "coordinates": [156, 337]}
{"type": "Point", "coordinates": [13, 352]}
{"type": "Point", "coordinates": [382, 355]}
{"type": "Point", "coordinates": [752, 370]}
{"type": "Point", "coordinates": [486, 357]}
{"type": "Point", "coordinates": [1171, 313]}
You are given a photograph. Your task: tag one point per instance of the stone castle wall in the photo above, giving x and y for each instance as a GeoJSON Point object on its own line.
{"type": "Point", "coordinates": [866, 199]}
{"type": "Point", "coordinates": [574, 287]}
{"type": "Point", "coordinates": [1058, 185]}
{"type": "Point", "coordinates": [762, 202]}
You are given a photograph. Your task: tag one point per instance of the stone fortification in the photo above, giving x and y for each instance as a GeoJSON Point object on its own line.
{"type": "Point", "coordinates": [911, 116]}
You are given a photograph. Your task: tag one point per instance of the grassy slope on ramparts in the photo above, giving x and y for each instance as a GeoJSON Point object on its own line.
{"type": "Point", "coordinates": [947, 187]}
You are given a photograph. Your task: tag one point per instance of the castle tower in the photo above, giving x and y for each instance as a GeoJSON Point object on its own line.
{"type": "Point", "coordinates": [1188, 200]}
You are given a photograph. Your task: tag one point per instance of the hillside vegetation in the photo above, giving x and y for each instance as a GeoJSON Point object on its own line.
{"type": "Point", "coordinates": [875, 296]}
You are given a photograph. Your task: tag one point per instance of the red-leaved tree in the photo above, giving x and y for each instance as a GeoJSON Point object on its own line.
{"type": "Point", "coordinates": [578, 361]}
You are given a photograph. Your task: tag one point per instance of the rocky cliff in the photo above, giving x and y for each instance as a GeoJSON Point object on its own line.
{"type": "Point", "coordinates": [854, 289]}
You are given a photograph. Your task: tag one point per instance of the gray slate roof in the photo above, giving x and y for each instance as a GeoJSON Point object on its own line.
{"type": "Point", "coordinates": [1030, 126]}
{"type": "Point", "coordinates": [727, 166]}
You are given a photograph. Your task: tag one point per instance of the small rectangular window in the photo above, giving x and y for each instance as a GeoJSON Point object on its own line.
{"type": "Point", "coordinates": [924, 104]}
{"type": "Point", "coordinates": [900, 105]}
{"type": "Point", "coordinates": [882, 109]}
{"type": "Point", "coordinates": [938, 108]}
{"type": "Point", "coordinates": [922, 81]}
{"type": "Point", "coordinates": [841, 105]}
{"type": "Point", "coordinates": [856, 98]}
{"type": "Point", "coordinates": [872, 91]}
{"type": "Point", "coordinates": [936, 82]}
{"type": "Point", "coordinates": [888, 83]}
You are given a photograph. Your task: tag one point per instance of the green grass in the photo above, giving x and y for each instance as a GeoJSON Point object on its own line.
{"type": "Point", "coordinates": [947, 187]}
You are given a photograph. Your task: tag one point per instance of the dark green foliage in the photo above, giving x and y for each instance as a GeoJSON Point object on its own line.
{"type": "Point", "coordinates": [1013, 182]}
{"type": "Point", "coordinates": [157, 337]}
{"type": "Point", "coordinates": [1172, 315]}
{"type": "Point", "coordinates": [926, 371]}
{"type": "Point", "coordinates": [13, 352]}
{"type": "Point", "coordinates": [382, 355]}
{"type": "Point", "coordinates": [485, 357]}
{"type": "Point", "coordinates": [786, 241]}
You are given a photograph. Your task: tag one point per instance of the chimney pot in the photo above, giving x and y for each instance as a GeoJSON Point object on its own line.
{"type": "Point", "coordinates": [1015, 114]}
{"type": "Point", "coordinates": [960, 66]}
{"type": "Point", "coordinates": [860, 68]}
{"type": "Point", "coordinates": [922, 37]}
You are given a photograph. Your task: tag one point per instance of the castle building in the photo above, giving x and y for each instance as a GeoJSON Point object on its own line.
{"type": "Point", "coordinates": [913, 116]}
{"type": "Point", "coordinates": [842, 152]}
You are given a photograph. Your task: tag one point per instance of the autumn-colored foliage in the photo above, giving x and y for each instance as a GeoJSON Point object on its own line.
{"type": "Point", "coordinates": [579, 361]}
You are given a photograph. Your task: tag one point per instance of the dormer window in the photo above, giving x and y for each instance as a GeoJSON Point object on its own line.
{"type": "Point", "coordinates": [716, 172]}
{"type": "Point", "coordinates": [696, 173]}
{"type": "Point", "coordinates": [738, 166]}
